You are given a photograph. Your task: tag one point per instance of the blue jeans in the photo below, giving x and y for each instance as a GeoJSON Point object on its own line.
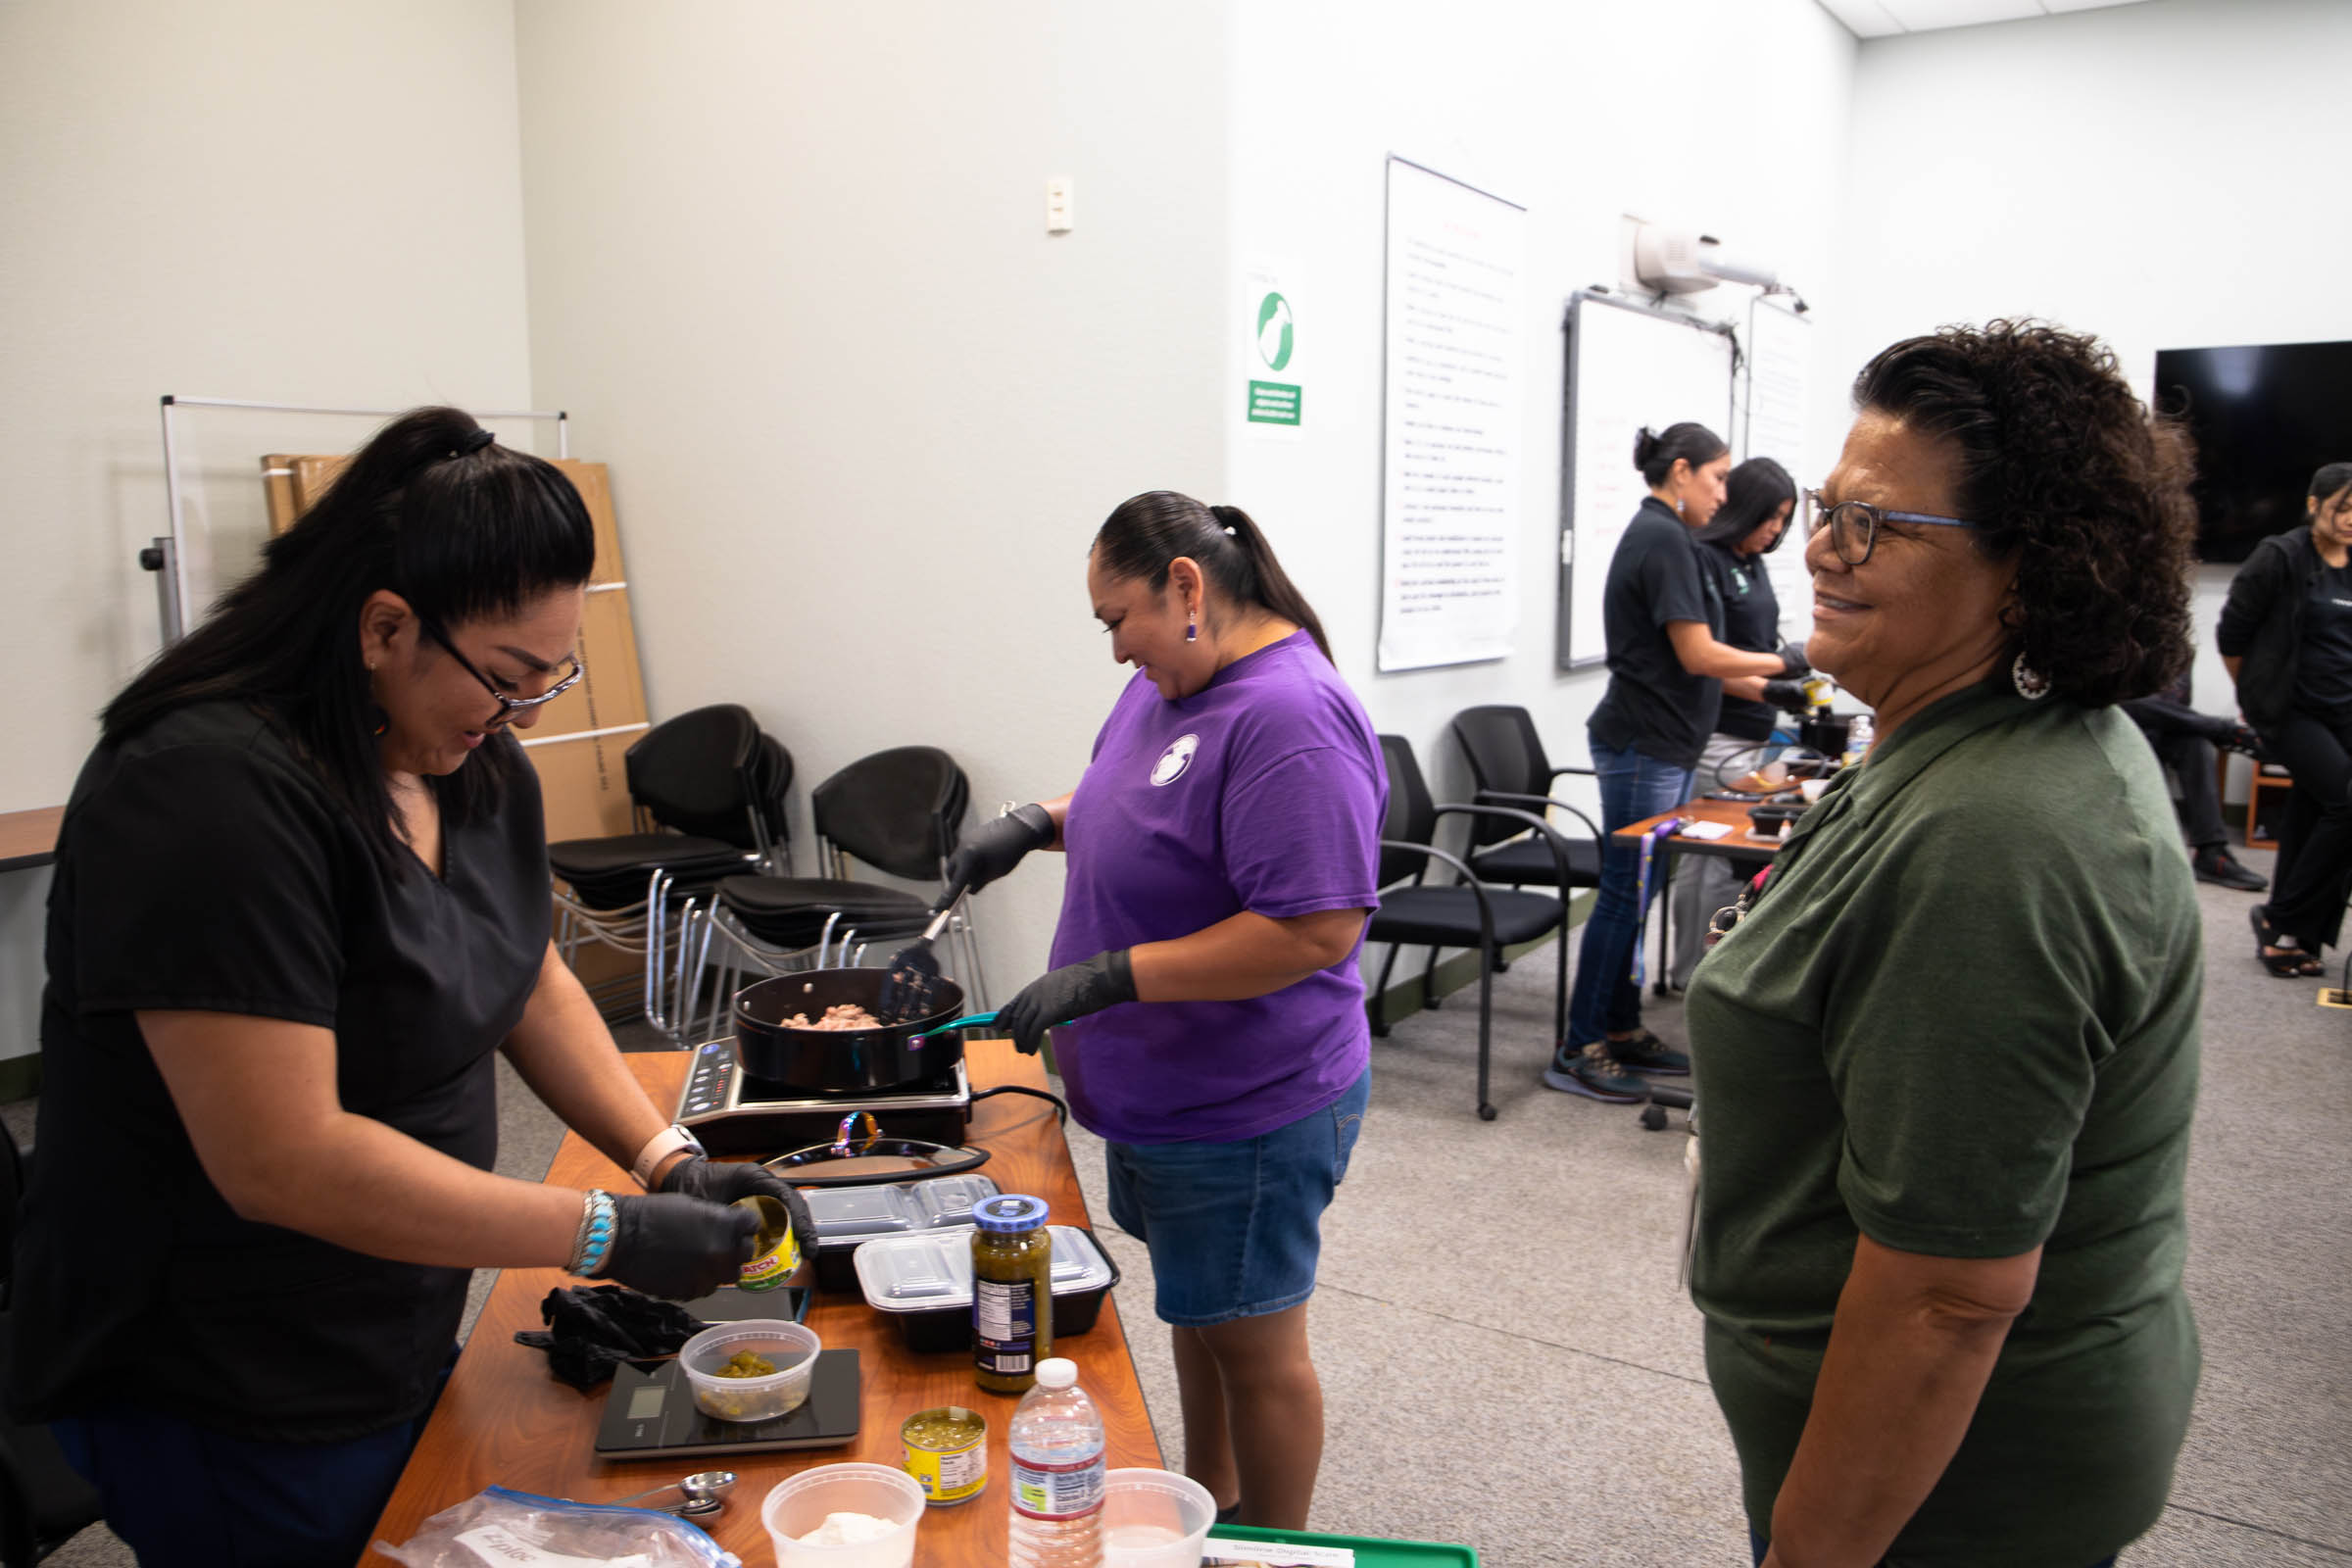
{"type": "Point", "coordinates": [183, 1495]}
{"type": "Point", "coordinates": [1605, 998]}
{"type": "Point", "coordinates": [1759, 1545]}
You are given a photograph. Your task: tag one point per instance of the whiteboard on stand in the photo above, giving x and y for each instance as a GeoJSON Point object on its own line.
{"type": "Point", "coordinates": [1629, 365]}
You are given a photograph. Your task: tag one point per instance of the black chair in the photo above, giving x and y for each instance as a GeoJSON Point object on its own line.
{"type": "Point", "coordinates": [1510, 768]}
{"type": "Point", "coordinates": [708, 790]}
{"type": "Point", "coordinates": [1468, 913]}
{"type": "Point", "coordinates": [899, 812]}
{"type": "Point", "coordinates": [44, 1503]}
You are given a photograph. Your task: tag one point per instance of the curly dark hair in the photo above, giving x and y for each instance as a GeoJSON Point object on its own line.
{"type": "Point", "coordinates": [2066, 470]}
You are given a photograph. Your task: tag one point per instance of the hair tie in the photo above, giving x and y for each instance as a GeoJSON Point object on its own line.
{"type": "Point", "coordinates": [1229, 533]}
{"type": "Point", "coordinates": [474, 441]}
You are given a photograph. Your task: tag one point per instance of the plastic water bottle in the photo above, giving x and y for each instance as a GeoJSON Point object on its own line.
{"type": "Point", "coordinates": [1858, 736]}
{"type": "Point", "coordinates": [1057, 1473]}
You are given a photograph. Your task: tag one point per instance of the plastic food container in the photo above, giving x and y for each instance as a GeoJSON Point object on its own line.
{"type": "Point", "coordinates": [1154, 1519]}
{"type": "Point", "coordinates": [924, 1283]}
{"type": "Point", "coordinates": [848, 1217]}
{"type": "Point", "coordinates": [792, 1347]}
{"type": "Point", "coordinates": [798, 1505]}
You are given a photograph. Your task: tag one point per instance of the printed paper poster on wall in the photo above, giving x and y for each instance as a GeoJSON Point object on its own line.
{"type": "Point", "coordinates": [1455, 393]}
{"type": "Point", "coordinates": [1275, 351]}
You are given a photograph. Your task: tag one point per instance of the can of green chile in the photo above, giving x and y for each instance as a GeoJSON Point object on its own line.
{"type": "Point", "coordinates": [947, 1453]}
{"type": "Point", "coordinates": [775, 1250]}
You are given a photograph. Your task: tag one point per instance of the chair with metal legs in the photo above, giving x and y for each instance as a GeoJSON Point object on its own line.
{"type": "Point", "coordinates": [1469, 913]}
{"type": "Point", "coordinates": [899, 812]}
{"type": "Point", "coordinates": [708, 789]}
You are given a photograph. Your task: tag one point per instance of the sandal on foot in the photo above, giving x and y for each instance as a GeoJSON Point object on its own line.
{"type": "Point", "coordinates": [2287, 962]}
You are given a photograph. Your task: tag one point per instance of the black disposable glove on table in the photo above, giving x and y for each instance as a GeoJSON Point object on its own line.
{"type": "Point", "coordinates": [996, 847]}
{"type": "Point", "coordinates": [676, 1246]}
{"type": "Point", "coordinates": [1060, 994]}
{"type": "Point", "coordinates": [1788, 695]}
{"type": "Point", "coordinates": [725, 1181]}
{"type": "Point", "coordinates": [1793, 661]}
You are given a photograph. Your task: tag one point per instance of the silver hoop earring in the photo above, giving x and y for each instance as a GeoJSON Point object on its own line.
{"type": "Point", "coordinates": [2032, 685]}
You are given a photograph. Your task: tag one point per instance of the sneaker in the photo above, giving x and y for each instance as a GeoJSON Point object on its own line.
{"type": "Point", "coordinates": [1647, 1052]}
{"type": "Point", "coordinates": [1594, 1072]}
{"type": "Point", "coordinates": [2215, 863]}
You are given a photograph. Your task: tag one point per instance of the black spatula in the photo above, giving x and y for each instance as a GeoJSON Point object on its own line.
{"type": "Point", "coordinates": [911, 987]}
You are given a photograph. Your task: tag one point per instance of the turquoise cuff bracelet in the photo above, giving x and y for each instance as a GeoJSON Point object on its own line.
{"type": "Point", "coordinates": [593, 1242]}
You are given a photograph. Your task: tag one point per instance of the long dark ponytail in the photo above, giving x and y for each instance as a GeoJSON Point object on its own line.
{"type": "Point", "coordinates": [1145, 533]}
{"type": "Point", "coordinates": [431, 509]}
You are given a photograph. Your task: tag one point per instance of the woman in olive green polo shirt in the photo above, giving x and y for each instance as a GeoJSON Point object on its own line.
{"type": "Point", "coordinates": [1948, 1054]}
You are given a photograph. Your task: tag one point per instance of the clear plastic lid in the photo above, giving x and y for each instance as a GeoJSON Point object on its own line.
{"type": "Point", "coordinates": [847, 1215]}
{"type": "Point", "coordinates": [944, 1200]}
{"type": "Point", "coordinates": [925, 1272]}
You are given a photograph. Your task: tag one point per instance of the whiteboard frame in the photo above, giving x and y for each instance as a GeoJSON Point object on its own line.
{"type": "Point", "coordinates": [1562, 656]}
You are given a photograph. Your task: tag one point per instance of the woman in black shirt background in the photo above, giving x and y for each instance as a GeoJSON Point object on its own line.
{"type": "Point", "coordinates": [1759, 498]}
{"type": "Point", "coordinates": [2287, 637]}
{"type": "Point", "coordinates": [301, 896]}
{"type": "Point", "coordinates": [1667, 665]}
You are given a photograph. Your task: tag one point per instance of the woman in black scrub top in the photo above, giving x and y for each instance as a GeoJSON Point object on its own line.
{"type": "Point", "coordinates": [2286, 638]}
{"type": "Point", "coordinates": [1759, 498]}
{"type": "Point", "coordinates": [301, 896]}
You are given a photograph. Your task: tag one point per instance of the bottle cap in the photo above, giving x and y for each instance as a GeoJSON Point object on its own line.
{"type": "Point", "coordinates": [1057, 1372]}
{"type": "Point", "coordinates": [1010, 1213]}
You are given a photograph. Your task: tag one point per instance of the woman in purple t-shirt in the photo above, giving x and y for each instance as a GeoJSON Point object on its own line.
{"type": "Point", "coordinates": [1223, 851]}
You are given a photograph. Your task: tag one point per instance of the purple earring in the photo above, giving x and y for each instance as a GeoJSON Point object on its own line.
{"type": "Point", "coordinates": [1192, 632]}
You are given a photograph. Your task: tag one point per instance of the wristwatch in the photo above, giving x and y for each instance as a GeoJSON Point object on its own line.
{"type": "Point", "coordinates": [659, 1148]}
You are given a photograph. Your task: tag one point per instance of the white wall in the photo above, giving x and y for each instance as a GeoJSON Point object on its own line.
{"type": "Point", "coordinates": [789, 269]}
{"type": "Point", "coordinates": [2166, 175]}
{"type": "Point", "coordinates": [1725, 115]}
{"type": "Point", "coordinates": [264, 199]}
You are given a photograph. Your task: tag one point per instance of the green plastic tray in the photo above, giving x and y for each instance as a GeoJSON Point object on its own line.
{"type": "Point", "coordinates": [1369, 1553]}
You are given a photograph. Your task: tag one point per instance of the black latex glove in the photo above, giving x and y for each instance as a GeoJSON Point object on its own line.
{"type": "Point", "coordinates": [2240, 738]}
{"type": "Point", "coordinates": [592, 1330]}
{"type": "Point", "coordinates": [1788, 695]}
{"type": "Point", "coordinates": [1793, 661]}
{"type": "Point", "coordinates": [677, 1248]}
{"type": "Point", "coordinates": [725, 1181]}
{"type": "Point", "coordinates": [996, 847]}
{"type": "Point", "coordinates": [1060, 994]}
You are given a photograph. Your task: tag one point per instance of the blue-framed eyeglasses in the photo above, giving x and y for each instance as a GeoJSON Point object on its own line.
{"type": "Point", "coordinates": [1854, 524]}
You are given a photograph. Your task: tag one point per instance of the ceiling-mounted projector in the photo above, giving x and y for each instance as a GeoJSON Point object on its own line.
{"type": "Point", "coordinates": [1675, 260]}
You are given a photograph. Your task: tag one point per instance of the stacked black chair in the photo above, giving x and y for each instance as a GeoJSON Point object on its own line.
{"type": "Point", "coordinates": [899, 812]}
{"type": "Point", "coordinates": [709, 787]}
{"type": "Point", "coordinates": [1466, 914]}
{"type": "Point", "coordinates": [1510, 768]}
{"type": "Point", "coordinates": [43, 1500]}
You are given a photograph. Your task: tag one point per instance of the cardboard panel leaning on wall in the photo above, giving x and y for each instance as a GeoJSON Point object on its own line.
{"type": "Point", "coordinates": [579, 740]}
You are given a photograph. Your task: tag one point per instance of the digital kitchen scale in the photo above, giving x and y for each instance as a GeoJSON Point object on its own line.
{"type": "Point", "coordinates": [733, 1112]}
{"type": "Point", "coordinates": [650, 1414]}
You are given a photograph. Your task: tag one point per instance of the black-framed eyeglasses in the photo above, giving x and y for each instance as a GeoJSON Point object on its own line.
{"type": "Point", "coordinates": [508, 706]}
{"type": "Point", "coordinates": [1854, 524]}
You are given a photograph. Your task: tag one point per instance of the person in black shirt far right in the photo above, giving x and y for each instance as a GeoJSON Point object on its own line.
{"type": "Point", "coordinates": [2185, 741]}
{"type": "Point", "coordinates": [2287, 637]}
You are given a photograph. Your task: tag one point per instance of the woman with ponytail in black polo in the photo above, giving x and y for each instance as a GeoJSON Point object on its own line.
{"type": "Point", "coordinates": [1224, 849]}
{"type": "Point", "coordinates": [301, 897]}
{"type": "Point", "coordinates": [1667, 665]}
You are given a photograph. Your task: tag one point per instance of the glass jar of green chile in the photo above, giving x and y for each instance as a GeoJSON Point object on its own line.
{"type": "Point", "coordinates": [1013, 1291]}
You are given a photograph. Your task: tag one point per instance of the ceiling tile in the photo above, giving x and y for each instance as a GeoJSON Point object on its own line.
{"type": "Point", "coordinates": [1864, 19]}
{"type": "Point", "coordinates": [1922, 15]}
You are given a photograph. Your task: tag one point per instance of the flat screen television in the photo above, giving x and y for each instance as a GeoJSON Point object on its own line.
{"type": "Point", "coordinates": [2263, 415]}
